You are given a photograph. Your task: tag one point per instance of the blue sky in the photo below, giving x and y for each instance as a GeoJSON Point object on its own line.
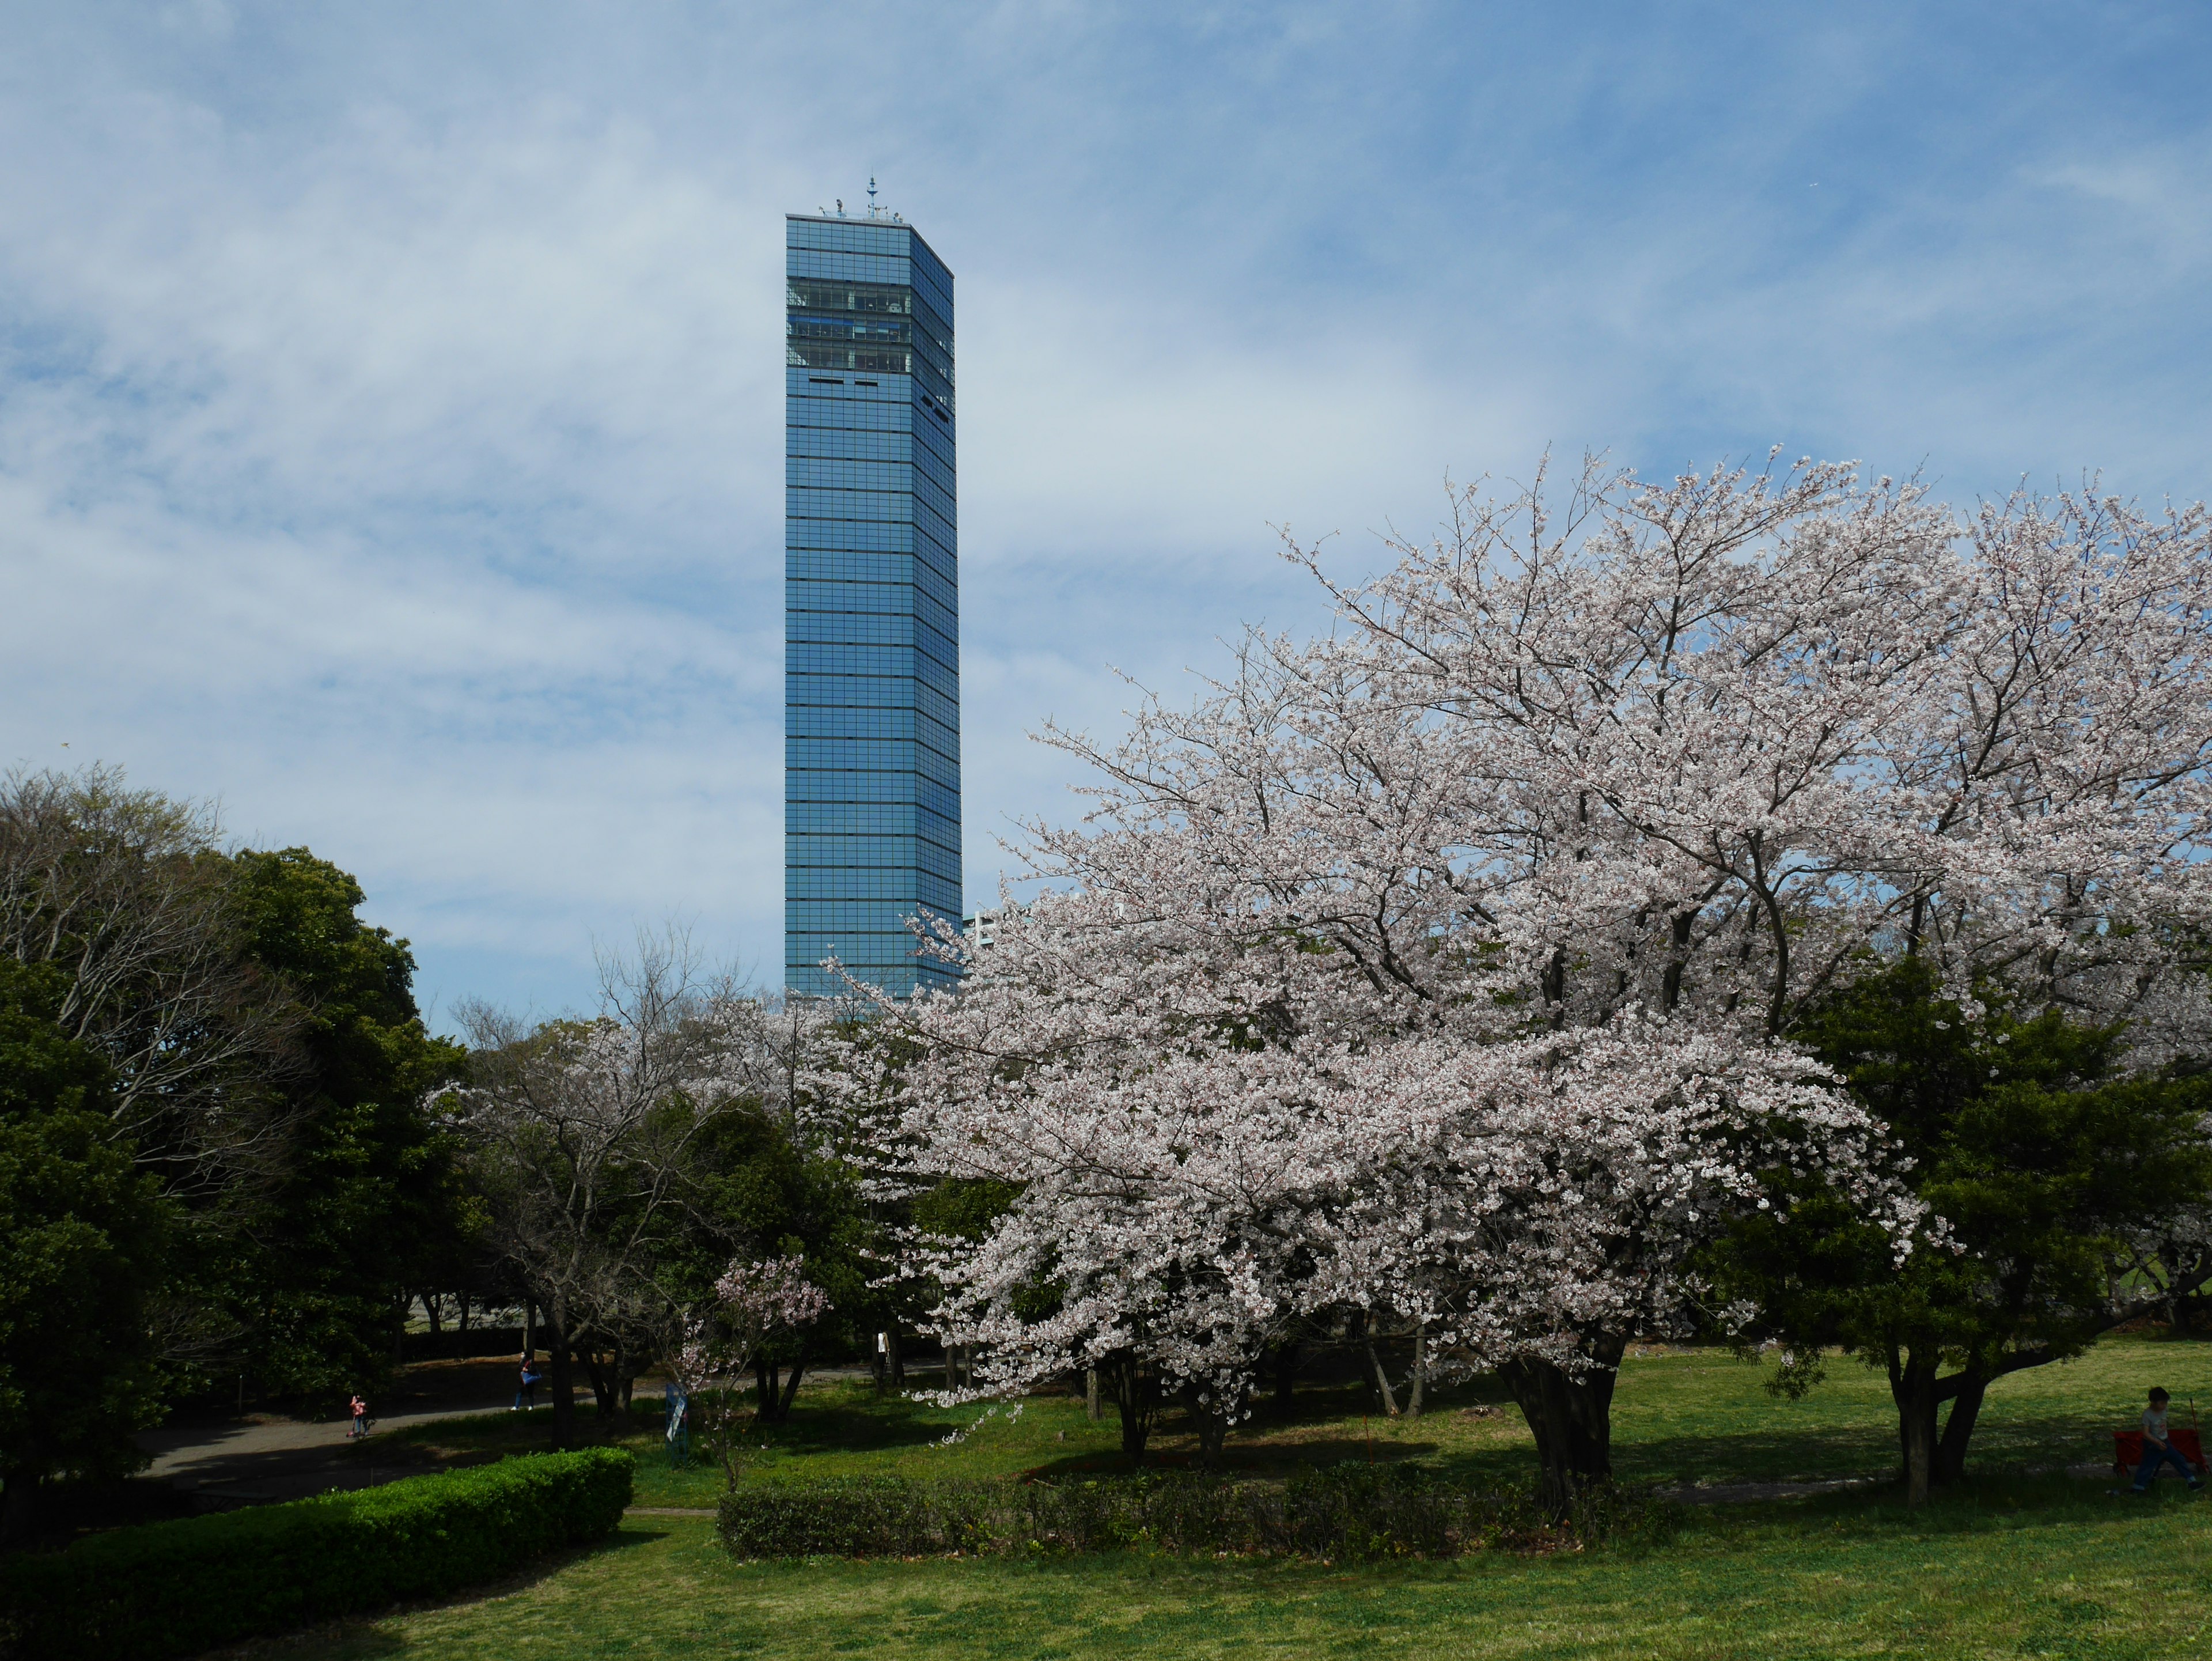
{"type": "Point", "coordinates": [390, 397]}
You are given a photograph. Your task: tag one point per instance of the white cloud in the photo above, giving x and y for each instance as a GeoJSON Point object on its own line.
{"type": "Point", "coordinates": [389, 404]}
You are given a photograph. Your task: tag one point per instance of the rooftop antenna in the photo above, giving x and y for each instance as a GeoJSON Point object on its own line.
{"type": "Point", "coordinates": [841, 207]}
{"type": "Point", "coordinates": [871, 196]}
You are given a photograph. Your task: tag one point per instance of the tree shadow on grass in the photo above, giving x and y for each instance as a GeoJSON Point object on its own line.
{"type": "Point", "coordinates": [1244, 1459]}
{"type": "Point", "coordinates": [368, 1635]}
{"type": "Point", "coordinates": [1774, 1454]}
{"type": "Point", "coordinates": [889, 1422]}
{"type": "Point", "coordinates": [1977, 1506]}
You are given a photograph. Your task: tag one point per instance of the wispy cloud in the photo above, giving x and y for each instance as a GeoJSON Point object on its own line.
{"type": "Point", "coordinates": [390, 402]}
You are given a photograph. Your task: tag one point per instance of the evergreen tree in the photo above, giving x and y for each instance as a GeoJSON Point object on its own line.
{"type": "Point", "coordinates": [84, 1234]}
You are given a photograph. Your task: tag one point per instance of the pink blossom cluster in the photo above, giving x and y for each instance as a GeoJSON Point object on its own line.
{"type": "Point", "coordinates": [753, 1303]}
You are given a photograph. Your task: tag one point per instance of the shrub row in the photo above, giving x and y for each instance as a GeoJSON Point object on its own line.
{"type": "Point", "coordinates": [169, 1589]}
{"type": "Point", "coordinates": [1347, 1512]}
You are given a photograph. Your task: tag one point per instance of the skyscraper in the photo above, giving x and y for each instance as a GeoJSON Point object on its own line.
{"type": "Point", "coordinates": [872, 619]}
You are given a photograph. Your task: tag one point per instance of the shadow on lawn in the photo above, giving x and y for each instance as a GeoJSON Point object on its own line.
{"type": "Point", "coordinates": [1247, 1459]}
{"type": "Point", "coordinates": [1977, 1505]}
{"type": "Point", "coordinates": [369, 1635]}
{"type": "Point", "coordinates": [2050, 1443]}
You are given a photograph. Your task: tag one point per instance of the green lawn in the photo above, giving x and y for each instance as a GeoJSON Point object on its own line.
{"type": "Point", "coordinates": [2017, 1565]}
{"type": "Point", "coordinates": [1677, 1418]}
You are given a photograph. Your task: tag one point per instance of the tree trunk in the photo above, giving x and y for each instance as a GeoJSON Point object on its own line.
{"type": "Point", "coordinates": [430, 1310]}
{"type": "Point", "coordinates": [18, 1504]}
{"type": "Point", "coordinates": [1950, 1465]}
{"type": "Point", "coordinates": [529, 1328]}
{"type": "Point", "coordinates": [1381, 1378]}
{"type": "Point", "coordinates": [1912, 1387]}
{"type": "Point", "coordinates": [602, 1377]}
{"type": "Point", "coordinates": [898, 1357]}
{"type": "Point", "coordinates": [563, 1376]}
{"type": "Point", "coordinates": [1092, 1408]}
{"type": "Point", "coordinates": [1212, 1423]}
{"type": "Point", "coordinates": [625, 1377]}
{"type": "Point", "coordinates": [1571, 1420]}
{"type": "Point", "coordinates": [462, 1299]}
{"type": "Point", "coordinates": [790, 1388]}
{"type": "Point", "coordinates": [1136, 1399]}
{"type": "Point", "coordinates": [1286, 1376]}
{"type": "Point", "coordinates": [767, 1381]}
{"type": "Point", "coordinates": [1420, 1371]}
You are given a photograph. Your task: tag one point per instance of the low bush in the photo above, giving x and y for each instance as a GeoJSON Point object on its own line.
{"type": "Point", "coordinates": [1347, 1512]}
{"type": "Point", "coordinates": [169, 1589]}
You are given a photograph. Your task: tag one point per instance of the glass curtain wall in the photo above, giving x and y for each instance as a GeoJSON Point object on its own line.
{"type": "Point", "coordinates": [872, 621]}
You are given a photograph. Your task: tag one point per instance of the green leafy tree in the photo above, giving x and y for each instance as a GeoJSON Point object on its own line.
{"type": "Point", "coordinates": [83, 1233]}
{"type": "Point", "coordinates": [2076, 1197]}
{"type": "Point", "coordinates": [369, 1205]}
{"type": "Point", "coordinates": [767, 1190]}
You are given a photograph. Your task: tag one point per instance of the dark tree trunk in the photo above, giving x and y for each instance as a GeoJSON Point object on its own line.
{"type": "Point", "coordinates": [1421, 1371]}
{"type": "Point", "coordinates": [562, 1375]}
{"type": "Point", "coordinates": [777, 1391]}
{"type": "Point", "coordinates": [1376, 1375]}
{"type": "Point", "coordinates": [1212, 1423]}
{"type": "Point", "coordinates": [462, 1317]}
{"type": "Point", "coordinates": [430, 1311]}
{"type": "Point", "coordinates": [1912, 1387]}
{"type": "Point", "coordinates": [18, 1504]}
{"type": "Point", "coordinates": [1958, 1428]}
{"type": "Point", "coordinates": [601, 1375]}
{"type": "Point", "coordinates": [1136, 1399]}
{"type": "Point", "coordinates": [768, 1384]}
{"type": "Point", "coordinates": [1571, 1420]}
{"type": "Point", "coordinates": [790, 1392]}
{"type": "Point", "coordinates": [1093, 1409]}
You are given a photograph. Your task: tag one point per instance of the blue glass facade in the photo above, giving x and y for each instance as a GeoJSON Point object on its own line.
{"type": "Point", "coordinates": [872, 604]}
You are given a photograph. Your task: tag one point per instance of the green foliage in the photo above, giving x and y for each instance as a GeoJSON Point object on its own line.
{"type": "Point", "coordinates": [2045, 1167]}
{"type": "Point", "coordinates": [371, 1205]}
{"type": "Point", "coordinates": [963, 1207]}
{"type": "Point", "coordinates": [173, 1588]}
{"type": "Point", "coordinates": [766, 1192]}
{"type": "Point", "coordinates": [1346, 1512]}
{"type": "Point", "coordinates": [82, 1233]}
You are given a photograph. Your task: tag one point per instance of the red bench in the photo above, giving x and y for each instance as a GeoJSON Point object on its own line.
{"type": "Point", "coordinates": [2128, 1449]}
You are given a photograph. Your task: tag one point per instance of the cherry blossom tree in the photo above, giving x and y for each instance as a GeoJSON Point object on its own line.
{"type": "Point", "coordinates": [1447, 965]}
{"type": "Point", "coordinates": [754, 1303]}
{"type": "Point", "coordinates": [589, 1137]}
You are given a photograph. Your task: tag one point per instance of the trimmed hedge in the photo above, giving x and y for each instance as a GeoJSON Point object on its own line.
{"type": "Point", "coordinates": [1349, 1513]}
{"type": "Point", "coordinates": [169, 1589]}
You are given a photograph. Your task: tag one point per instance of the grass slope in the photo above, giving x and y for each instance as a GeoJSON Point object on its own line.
{"type": "Point", "coordinates": [2016, 1565]}
{"type": "Point", "coordinates": [1683, 1417]}
{"type": "Point", "coordinates": [2022, 1573]}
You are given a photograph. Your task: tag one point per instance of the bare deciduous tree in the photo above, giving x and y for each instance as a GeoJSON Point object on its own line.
{"type": "Point", "coordinates": [124, 892]}
{"type": "Point", "coordinates": [587, 1134]}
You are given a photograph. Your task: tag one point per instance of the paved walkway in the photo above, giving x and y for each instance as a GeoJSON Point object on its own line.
{"type": "Point", "coordinates": [234, 1461]}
